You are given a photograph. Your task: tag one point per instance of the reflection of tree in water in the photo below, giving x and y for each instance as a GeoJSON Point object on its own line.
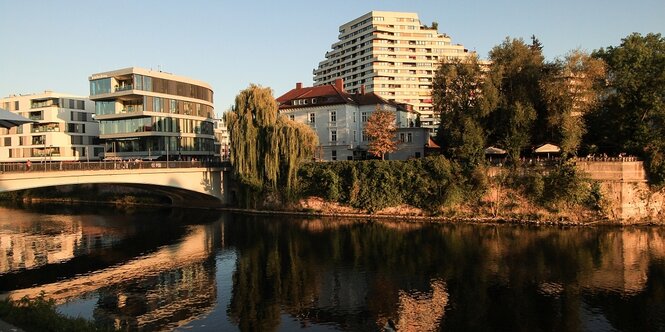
{"type": "Point", "coordinates": [357, 275]}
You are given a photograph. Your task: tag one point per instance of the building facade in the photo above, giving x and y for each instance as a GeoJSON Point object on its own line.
{"type": "Point", "coordinates": [339, 118]}
{"type": "Point", "coordinates": [222, 139]}
{"type": "Point", "coordinates": [64, 129]}
{"type": "Point", "coordinates": [391, 54]}
{"type": "Point", "coordinates": [153, 115]}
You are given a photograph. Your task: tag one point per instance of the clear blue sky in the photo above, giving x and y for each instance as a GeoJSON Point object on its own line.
{"type": "Point", "coordinates": [56, 45]}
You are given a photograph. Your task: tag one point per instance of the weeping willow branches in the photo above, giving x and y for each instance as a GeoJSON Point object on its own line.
{"type": "Point", "coordinates": [266, 149]}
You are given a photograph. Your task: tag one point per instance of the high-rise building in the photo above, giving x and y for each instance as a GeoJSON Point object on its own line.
{"type": "Point", "coordinates": [391, 54]}
{"type": "Point", "coordinates": [153, 115]}
{"type": "Point", "coordinates": [64, 129]}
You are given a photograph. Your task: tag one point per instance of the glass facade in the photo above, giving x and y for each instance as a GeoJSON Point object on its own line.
{"type": "Point", "coordinates": [157, 145]}
{"type": "Point", "coordinates": [100, 86]}
{"type": "Point", "coordinates": [160, 85]}
{"type": "Point", "coordinates": [104, 107]}
{"type": "Point", "coordinates": [155, 124]}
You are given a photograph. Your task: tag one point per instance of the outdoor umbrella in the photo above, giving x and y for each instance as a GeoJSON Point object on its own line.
{"type": "Point", "coordinates": [9, 119]}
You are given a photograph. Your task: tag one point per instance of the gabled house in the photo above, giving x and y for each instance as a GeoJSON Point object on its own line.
{"type": "Point", "coordinates": [339, 118]}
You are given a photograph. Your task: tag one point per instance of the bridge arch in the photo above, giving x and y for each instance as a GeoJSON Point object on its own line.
{"type": "Point", "coordinates": [189, 187]}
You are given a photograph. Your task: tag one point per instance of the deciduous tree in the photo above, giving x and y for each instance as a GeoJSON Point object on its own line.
{"type": "Point", "coordinates": [463, 96]}
{"type": "Point", "coordinates": [381, 129]}
{"type": "Point", "coordinates": [571, 88]}
{"type": "Point", "coordinates": [632, 118]}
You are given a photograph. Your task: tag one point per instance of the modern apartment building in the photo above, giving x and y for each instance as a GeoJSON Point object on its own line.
{"type": "Point", "coordinates": [391, 54]}
{"type": "Point", "coordinates": [153, 115]}
{"type": "Point", "coordinates": [64, 129]}
{"type": "Point", "coordinates": [339, 118]}
{"type": "Point", "coordinates": [222, 139]}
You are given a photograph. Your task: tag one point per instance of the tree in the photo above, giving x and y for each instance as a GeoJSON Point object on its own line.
{"type": "Point", "coordinates": [380, 128]}
{"type": "Point", "coordinates": [266, 149]}
{"type": "Point", "coordinates": [518, 68]}
{"type": "Point", "coordinates": [632, 118]}
{"type": "Point", "coordinates": [463, 97]}
{"type": "Point", "coordinates": [571, 88]}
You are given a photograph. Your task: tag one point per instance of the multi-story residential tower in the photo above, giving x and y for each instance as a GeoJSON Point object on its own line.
{"type": "Point", "coordinates": [222, 139]}
{"type": "Point", "coordinates": [339, 118]}
{"type": "Point", "coordinates": [64, 129]}
{"type": "Point", "coordinates": [391, 54]}
{"type": "Point", "coordinates": [153, 115]}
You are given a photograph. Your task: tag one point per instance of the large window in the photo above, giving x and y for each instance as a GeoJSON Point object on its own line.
{"type": "Point", "coordinates": [333, 116]}
{"type": "Point", "coordinates": [104, 107]}
{"type": "Point", "coordinates": [100, 86]}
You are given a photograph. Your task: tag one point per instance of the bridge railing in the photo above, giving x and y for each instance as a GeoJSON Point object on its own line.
{"type": "Point", "coordinates": [102, 165]}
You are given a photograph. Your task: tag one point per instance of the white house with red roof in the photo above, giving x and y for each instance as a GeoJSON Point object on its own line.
{"type": "Point", "coordinates": [338, 118]}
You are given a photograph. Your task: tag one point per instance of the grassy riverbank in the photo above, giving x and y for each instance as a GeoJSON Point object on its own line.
{"type": "Point", "coordinates": [40, 315]}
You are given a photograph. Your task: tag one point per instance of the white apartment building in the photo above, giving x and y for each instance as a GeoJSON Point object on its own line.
{"type": "Point", "coordinates": [222, 139]}
{"type": "Point", "coordinates": [153, 115]}
{"type": "Point", "coordinates": [391, 54]}
{"type": "Point", "coordinates": [64, 129]}
{"type": "Point", "coordinates": [339, 118]}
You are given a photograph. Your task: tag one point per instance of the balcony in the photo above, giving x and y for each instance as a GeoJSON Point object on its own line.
{"type": "Point", "coordinates": [124, 87]}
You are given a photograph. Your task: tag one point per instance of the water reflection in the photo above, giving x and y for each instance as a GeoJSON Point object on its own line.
{"type": "Point", "coordinates": [162, 270]}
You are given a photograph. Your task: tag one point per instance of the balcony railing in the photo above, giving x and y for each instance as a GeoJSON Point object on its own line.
{"type": "Point", "coordinates": [124, 87]}
{"type": "Point", "coordinates": [47, 165]}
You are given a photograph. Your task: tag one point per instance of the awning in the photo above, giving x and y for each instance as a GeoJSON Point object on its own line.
{"type": "Point", "coordinates": [494, 150]}
{"type": "Point", "coordinates": [9, 119]}
{"type": "Point", "coordinates": [548, 148]}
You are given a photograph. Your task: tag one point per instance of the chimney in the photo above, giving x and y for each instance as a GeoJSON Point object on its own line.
{"type": "Point", "coordinates": [299, 85]}
{"type": "Point", "coordinates": [339, 84]}
{"type": "Point", "coordinates": [362, 89]}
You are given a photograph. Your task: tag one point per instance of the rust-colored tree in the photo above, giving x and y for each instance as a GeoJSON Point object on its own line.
{"type": "Point", "coordinates": [381, 129]}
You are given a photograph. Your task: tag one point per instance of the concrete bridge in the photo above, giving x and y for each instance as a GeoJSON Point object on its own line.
{"type": "Point", "coordinates": [187, 184]}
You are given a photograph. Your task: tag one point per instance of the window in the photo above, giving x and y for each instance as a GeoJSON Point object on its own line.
{"type": "Point", "coordinates": [333, 116]}
{"type": "Point", "coordinates": [8, 141]}
{"type": "Point", "coordinates": [363, 117]}
{"type": "Point", "coordinates": [333, 135]}
{"type": "Point", "coordinates": [16, 105]}
{"type": "Point", "coordinates": [100, 86]}
{"type": "Point", "coordinates": [355, 136]}
{"type": "Point", "coordinates": [333, 154]}
{"type": "Point", "coordinates": [365, 138]}
{"type": "Point", "coordinates": [312, 118]}
{"type": "Point", "coordinates": [292, 117]}
{"type": "Point", "coordinates": [401, 137]}
{"type": "Point", "coordinates": [409, 137]}
{"type": "Point", "coordinates": [354, 116]}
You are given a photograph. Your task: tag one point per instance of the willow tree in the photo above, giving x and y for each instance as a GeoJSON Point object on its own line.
{"type": "Point", "coordinates": [266, 149]}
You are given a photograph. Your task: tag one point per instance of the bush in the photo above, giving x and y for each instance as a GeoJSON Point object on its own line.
{"type": "Point", "coordinates": [430, 183]}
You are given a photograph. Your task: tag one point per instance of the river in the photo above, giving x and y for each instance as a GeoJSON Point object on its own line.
{"type": "Point", "coordinates": [204, 270]}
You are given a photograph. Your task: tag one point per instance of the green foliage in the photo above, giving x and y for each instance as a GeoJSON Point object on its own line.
{"type": "Point", "coordinates": [39, 314]}
{"type": "Point", "coordinates": [266, 149]}
{"type": "Point", "coordinates": [632, 118]}
{"type": "Point", "coordinates": [430, 183]}
{"type": "Point", "coordinates": [464, 97]}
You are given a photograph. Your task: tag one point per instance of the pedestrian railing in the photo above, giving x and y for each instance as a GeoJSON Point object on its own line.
{"type": "Point", "coordinates": [57, 166]}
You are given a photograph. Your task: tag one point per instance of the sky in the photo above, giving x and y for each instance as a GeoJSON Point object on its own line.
{"type": "Point", "coordinates": [57, 45]}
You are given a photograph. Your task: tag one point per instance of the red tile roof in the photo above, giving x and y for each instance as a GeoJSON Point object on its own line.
{"type": "Point", "coordinates": [330, 95]}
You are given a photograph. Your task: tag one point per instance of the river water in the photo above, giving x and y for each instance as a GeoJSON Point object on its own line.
{"type": "Point", "coordinates": [196, 270]}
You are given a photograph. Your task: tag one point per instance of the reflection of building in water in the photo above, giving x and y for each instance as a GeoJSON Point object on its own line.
{"type": "Point", "coordinates": [195, 247]}
{"type": "Point", "coordinates": [625, 261]}
{"type": "Point", "coordinates": [25, 244]}
{"type": "Point", "coordinates": [160, 302]}
{"type": "Point", "coordinates": [28, 242]}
